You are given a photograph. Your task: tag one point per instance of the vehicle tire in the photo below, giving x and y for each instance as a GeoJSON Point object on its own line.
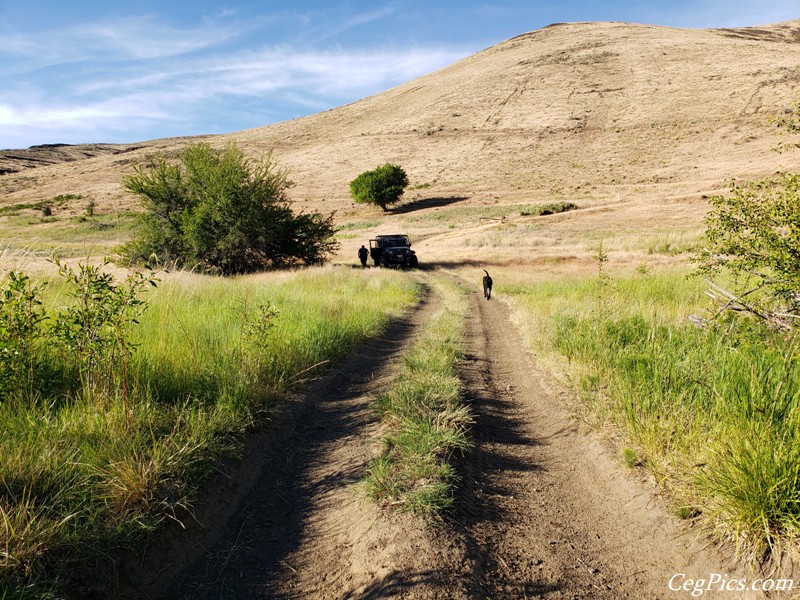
{"type": "Point", "coordinates": [413, 262]}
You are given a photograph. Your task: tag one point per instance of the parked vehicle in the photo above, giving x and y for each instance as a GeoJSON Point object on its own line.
{"type": "Point", "coordinates": [392, 251]}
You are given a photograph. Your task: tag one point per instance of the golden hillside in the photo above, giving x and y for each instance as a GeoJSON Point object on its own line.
{"type": "Point", "coordinates": [638, 122]}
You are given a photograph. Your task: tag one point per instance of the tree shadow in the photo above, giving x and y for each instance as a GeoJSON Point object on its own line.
{"type": "Point", "coordinates": [423, 203]}
{"type": "Point", "coordinates": [502, 444]}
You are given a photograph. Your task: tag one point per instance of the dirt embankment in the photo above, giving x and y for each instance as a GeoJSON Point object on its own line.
{"type": "Point", "coordinates": [544, 510]}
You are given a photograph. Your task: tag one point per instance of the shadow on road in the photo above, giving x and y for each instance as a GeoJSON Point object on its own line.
{"type": "Point", "coordinates": [244, 555]}
{"type": "Point", "coordinates": [491, 472]}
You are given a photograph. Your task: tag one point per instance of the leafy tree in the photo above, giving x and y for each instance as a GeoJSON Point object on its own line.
{"type": "Point", "coordinates": [382, 186]}
{"type": "Point", "coordinates": [219, 210]}
{"type": "Point", "coordinates": [753, 235]}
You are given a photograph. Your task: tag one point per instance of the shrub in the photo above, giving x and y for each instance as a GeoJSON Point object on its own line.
{"type": "Point", "coordinates": [754, 235]}
{"type": "Point", "coordinates": [96, 330]}
{"type": "Point", "coordinates": [21, 316]}
{"type": "Point", "coordinates": [382, 186]}
{"type": "Point", "coordinates": [221, 211]}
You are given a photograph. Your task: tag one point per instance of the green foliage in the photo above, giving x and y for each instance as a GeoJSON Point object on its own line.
{"type": "Point", "coordinates": [382, 186]}
{"type": "Point", "coordinates": [603, 278]}
{"type": "Point", "coordinates": [788, 124]}
{"type": "Point", "coordinates": [21, 315]}
{"type": "Point", "coordinates": [753, 235]}
{"type": "Point", "coordinates": [712, 413]}
{"type": "Point", "coordinates": [427, 420]}
{"type": "Point", "coordinates": [45, 206]}
{"type": "Point", "coordinates": [221, 211]}
{"type": "Point", "coordinates": [81, 477]}
{"type": "Point", "coordinates": [725, 399]}
{"type": "Point", "coordinates": [629, 454]}
{"type": "Point", "coordinates": [97, 328]}
{"type": "Point", "coordinates": [502, 211]}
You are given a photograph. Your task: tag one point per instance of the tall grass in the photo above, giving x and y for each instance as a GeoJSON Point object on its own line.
{"type": "Point", "coordinates": [67, 235]}
{"type": "Point", "coordinates": [427, 420]}
{"type": "Point", "coordinates": [714, 414]}
{"type": "Point", "coordinates": [79, 476]}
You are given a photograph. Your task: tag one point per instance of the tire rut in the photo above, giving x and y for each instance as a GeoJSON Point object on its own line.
{"type": "Point", "coordinates": [545, 509]}
{"type": "Point", "coordinates": [289, 520]}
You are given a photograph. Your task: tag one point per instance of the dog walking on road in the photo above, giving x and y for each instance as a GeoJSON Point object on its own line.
{"type": "Point", "coordinates": [487, 285]}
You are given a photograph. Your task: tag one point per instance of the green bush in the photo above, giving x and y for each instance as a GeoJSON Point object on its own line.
{"type": "Point", "coordinates": [21, 317]}
{"type": "Point", "coordinates": [382, 186]}
{"type": "Point", "coordinates": [96, 328]}
{"type": "Point", "coordinates": [712, 413]}
{"type": "Point", "coordinates": [754, 235]}
{"type": "Point", "coordinates": [225, 213]}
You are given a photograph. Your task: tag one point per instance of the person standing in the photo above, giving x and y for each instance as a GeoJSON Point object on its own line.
{"type": "Point", "coordinates": [363, 254]}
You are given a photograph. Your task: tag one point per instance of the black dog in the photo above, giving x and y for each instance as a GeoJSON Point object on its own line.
{"type": "Point", "coordinates": [487, 285]}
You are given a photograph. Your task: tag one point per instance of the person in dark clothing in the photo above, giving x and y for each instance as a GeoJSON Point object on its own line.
{"type": "Point", "coordinates": [363, 254]}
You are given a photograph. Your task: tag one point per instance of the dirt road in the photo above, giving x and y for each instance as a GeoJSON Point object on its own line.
{"type": "Point", "coordinates": [544, 510]}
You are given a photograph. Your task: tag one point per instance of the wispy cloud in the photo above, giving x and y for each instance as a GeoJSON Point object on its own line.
{"type": "Point", "coordinates": [104, 79]}
{"type": "Point", "coordinates": [277, 80]}
{"type": "Point", "coordinates": [365, 18]}
{"type": "Point", "coordinates": [129, 38]}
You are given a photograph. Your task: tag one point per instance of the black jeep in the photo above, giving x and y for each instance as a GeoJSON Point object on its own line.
{"type": "Point", "coordinates": [392, 251]}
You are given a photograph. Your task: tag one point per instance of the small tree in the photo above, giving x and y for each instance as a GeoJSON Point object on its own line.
{"type": "Point", "coordinates": [753, 235]}
{"type": "Point", "coordinates": [21, 317]}
{"type": "Point", "coordinates": [382, 186]}
{"type": "Point", "coordinates": [219, 210]}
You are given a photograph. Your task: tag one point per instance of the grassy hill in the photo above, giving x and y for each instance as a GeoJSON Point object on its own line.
{"type": "Point", "coordinates": [635, 123]}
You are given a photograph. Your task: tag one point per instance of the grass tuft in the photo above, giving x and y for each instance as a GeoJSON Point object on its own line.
{"type": "Point", "coordinates": [427, 420]}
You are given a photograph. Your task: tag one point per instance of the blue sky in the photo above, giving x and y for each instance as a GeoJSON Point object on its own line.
{"type": "Point", "coordinates": [100, 71]}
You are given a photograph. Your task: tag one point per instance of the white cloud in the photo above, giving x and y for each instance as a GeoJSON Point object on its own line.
{"type": "Point", "coordinates": [130, 38]}
{"type": "Point", "coordinates": [117, 101]}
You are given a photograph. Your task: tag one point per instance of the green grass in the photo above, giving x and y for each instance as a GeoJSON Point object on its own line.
{"type": "Point", "coordinates": [45, 206]}
{"type": "Point", "coordinates": [465, 214]}
{"type": "Point", "coordinates": [358, 225]}
{"type": "Point", "coordinates": [427, 420]}
{"type": "Point", "coordinates": [67, 236]}
{"type": "Point", "coordinates": [712, 413]}
{"type": "Point", "coordinates": [79, 477]}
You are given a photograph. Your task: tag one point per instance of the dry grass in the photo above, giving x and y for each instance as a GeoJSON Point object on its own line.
{"type": "Point", "coordinates": [633, 123]}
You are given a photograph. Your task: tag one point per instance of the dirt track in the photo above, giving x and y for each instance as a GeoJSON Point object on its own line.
{"type": "Point", "coordinates": [545, 510]}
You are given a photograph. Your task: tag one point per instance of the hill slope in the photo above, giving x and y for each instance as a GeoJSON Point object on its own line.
{"type": "Point", "coordinates": [591, 112]}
